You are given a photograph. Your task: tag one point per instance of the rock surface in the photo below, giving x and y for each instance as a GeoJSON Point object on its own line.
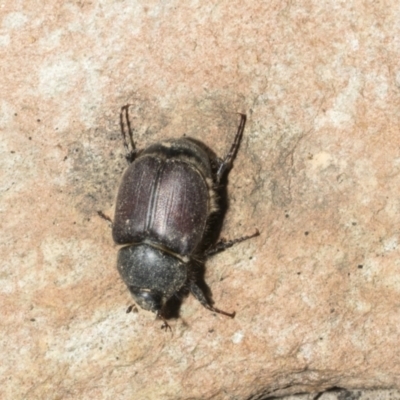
{"type": "Point", "coordinates": [318, 173]}
{"type": "Point", "coordinates": [343, 394]}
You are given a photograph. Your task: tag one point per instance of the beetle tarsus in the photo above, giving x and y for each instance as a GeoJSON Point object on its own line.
{"type": "Point", "coordinates": [130, 152]}
{"type": "Point", "coordinates": [165, 326]}
{"type": "Point", "coordinates": [225, 244]}
{"type": "Point", "coordinates": [105, 217]}
{"type": "Point", "coordinates": [217, 310]}
{"type": "Point", "coordinates": [199, 295]}
{"type": "Point", "coordinates": [226, 165]}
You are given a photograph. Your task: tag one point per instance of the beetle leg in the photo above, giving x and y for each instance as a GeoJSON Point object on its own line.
{"type": "Point", "coordinates": [199, 295]}
{"type": "Point", "coordinates": [227, 163]}
{"type": "Point", "coordinates": [165, 324]}
{"type": "Point", "coordinates": [130, 152]}
{"type": "Point", "coordinates": [105, 217]}
{"type": "Point", "coordinates": [223, 244]}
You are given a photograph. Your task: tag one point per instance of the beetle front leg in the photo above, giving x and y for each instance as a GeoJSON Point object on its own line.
{"type": "Point", "coordinates": [199, 295]}
{"type": "Point", "coordinates": [165, 324]}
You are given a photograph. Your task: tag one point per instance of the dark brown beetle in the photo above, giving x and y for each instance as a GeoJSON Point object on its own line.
{"type": "Point", "coordinates": [165, 200]}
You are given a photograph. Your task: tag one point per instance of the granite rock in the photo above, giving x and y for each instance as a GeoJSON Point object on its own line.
{"type": "Point", "coordinates": [318, 173]}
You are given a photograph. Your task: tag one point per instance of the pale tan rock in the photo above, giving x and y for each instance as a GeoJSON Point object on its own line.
{"type": "Point", "coordinates": [316, 295]}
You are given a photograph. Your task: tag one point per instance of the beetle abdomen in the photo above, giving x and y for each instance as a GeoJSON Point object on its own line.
{"type": "Point", "coordinates": [163, 200]}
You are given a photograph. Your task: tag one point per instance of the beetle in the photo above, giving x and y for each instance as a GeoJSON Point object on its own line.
{"type": "Point", "coordinates": [165, 205]}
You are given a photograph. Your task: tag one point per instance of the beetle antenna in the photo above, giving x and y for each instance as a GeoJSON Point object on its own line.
{"type": "Point", "coordinates": [131, 308]}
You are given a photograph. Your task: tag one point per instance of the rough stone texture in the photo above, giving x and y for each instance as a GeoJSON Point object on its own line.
{"type": "Point", "coordinates": [343, 394]}
{"type": "Point", "coordinates": [318, 173]}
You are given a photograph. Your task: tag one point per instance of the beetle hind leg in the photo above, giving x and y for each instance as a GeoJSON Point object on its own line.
{"type": "Point", "coordinates": [199, 295]}
{"type": "Point", "coordinates": [226, 165]}
{"type": "Point", "coordinates": [130, 149]}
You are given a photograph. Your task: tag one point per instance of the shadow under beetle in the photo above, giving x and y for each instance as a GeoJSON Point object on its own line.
{"type": "Point", "coordinates": [165, 200]}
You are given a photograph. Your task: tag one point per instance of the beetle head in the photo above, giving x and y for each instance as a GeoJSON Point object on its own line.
{"type": "Point", "coordinates": [152, 274]}
{"type": "Point", "coordinates": [149, 300]}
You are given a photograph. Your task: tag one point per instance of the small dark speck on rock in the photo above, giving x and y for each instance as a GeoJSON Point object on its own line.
{"type": "Point", "coordinates": [33, 319]}
{"type": "Point", "coordinates": [306, 233]}
{"type": "Point", "coordinates": [360, 266]}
